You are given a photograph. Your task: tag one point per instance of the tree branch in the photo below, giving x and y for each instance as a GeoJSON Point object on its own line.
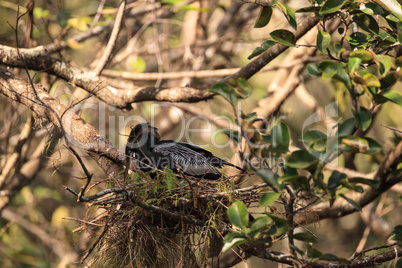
{"type": "Point", "coordinates": [341, 207]}
{"type": "Point", "coordinates": [79, 133]}
{"type": "Point", "coordinates": [37, 59]}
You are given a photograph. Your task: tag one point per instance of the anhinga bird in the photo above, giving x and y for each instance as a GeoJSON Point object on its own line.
{"type": "Point", "coordinates": [145, 144]}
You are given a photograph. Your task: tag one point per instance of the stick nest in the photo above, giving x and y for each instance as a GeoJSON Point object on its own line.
{"type": "Point", "coordinates": [162, 220]}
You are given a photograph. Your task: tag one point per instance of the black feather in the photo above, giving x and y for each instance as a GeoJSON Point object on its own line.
{"type": "Point", "coordinates": [152, 153]}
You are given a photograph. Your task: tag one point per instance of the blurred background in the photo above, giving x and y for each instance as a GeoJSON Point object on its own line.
{"type": "Point", "coordinates": [39, 218]}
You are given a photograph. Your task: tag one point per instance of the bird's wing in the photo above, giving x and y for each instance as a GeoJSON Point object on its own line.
{"type": "Point", "coordinates": [212, 159]}
{"type": "Point", "coordinates": [186, 159]}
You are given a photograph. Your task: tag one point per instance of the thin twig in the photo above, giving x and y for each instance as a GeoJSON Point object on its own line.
{"type": "Point", "coordinates": [112, 41]}
{"type": "Point", "coordinates": [357, 254]}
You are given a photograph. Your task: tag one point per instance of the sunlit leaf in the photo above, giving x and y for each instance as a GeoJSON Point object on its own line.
{"type": "Point", "coordinates": [300, 159]}
{"type": "Point", "coordinates": [260, 223]}
{"type": "Point", "coordinates": [354, 64]}
{"type": "Point", "coordinates": [361, 54]}
{"type": "Point", "coordinates": [371, 8]}
{"type": "Point", "coordinates": [139, 65]}
{"type": "Point", "coordinates": [233, 243]}
{"type": "Point", "coordinates": [269, 198]}
{"type": "Point", "coordinates": [238, 215]}
{"type": "Point", "coordinates": [323, 40]}
{"type": "Point", "coordinates": [393, 96]}
{"type": "Point", "coordinates": [289, 14]}
{"type": "Point", "coordinates": [312, 135]}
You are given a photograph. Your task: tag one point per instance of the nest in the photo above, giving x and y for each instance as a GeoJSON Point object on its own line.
{"type": "Point", "coordinates": [162, 220]}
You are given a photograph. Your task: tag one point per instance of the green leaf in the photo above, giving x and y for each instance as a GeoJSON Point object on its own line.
{"type": "Point", "coordinates": [371, 8]}
{"type": "Point", "coordinates": [298, 250]}
{"type": "Point", "coordinates": [233, 243]}
{"type": "Point", "coordinates": [354, 144]}
{"type": "Point", "coordinates": [397, 233]}
{"type": "Point", "coordinates": [394, 7]}
{"type": "Point", "coordinates": [230, 236]}
{"type": "Point", "coordinates": [284, 37]}
{"type": "Point", "coordinates": [313, 68]}
{"type": "Point", "coordinates": [346, 127]}
{"type": "Point", "coordinates": [243, 89]}
{"type": "Point", "coordinates": [281, 225]}
{"type": "Point", "coordinates": [357, 40]}
{"type": "Point", "coordinates": [40, 13]}
{"type": "Point", "coordinates": [331, 6]}
{"type": "Point", "coordinates": [323, 40]}
{"type": "Point", "coordinates": [354, 64]}
{"type": "Point", "coordinates": [300, 159]}
{"type": "Point", "coordinates": [385, 64]}
{"type": "Point", "coordinates": [289, 14]}
{"type": "Point", "coordinates": [306, 237]}
{"type": "Point", "coordinates": [139, 65]}
{"type": "Point", "coordinates": [350, 201]}
{"type": "Point", "coordinates": [238, 215]}
{"type": "Point", "coordinates": [269, 198]}
{"type": "Point", "coordinates": [366, 23]}
{"type": "Point", "coordinates": [330, 68]}
{"type": "Point", "coordinates": [264, 17]}
{"type": "Point", "coordinates": [335, 180]}
{"type": "Point", "coordinates": [80, 24]}
{"type": "Point", "coordinates": [374, 147]}
{"type": "Point", "coordinates": [260, 223]}
{"type": "Point", "coordinates": [363, 118]}
{"type": "Point", "coordinates": [393, 96]}
{"type": "Point", "coordinates": [225, 91]}
{"type": "Point", "coordinates": [261, 49]}
{"type": "Point", "coordinates": [312, 252]}
{"type": "Point", "coordinates": [270, 177]}
{"type": "Point", "coordinates": [280, 137]}
{"type": "Point", "coordinates": [361, 54]}
{"type": "Point", "coordinates": [343, 76]}
{"type": "Point", "coordinates": [369, 182]}
{"type": "Point", "coordinates": [371, 80]}
{"type": "Point", "coordinates": [312, 135]}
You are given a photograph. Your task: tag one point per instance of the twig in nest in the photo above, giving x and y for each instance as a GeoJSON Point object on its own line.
{"type": "Point", "coordinates": [94, 244]}
{"type": "Point", "coordinates": [86, 171]}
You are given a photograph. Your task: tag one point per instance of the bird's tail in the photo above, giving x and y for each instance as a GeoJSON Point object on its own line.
{"type": "Point", "coordinates": [230, 164]}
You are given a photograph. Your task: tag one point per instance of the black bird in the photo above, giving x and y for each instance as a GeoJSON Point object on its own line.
{"type": "Point", "coordinates": [145, 144]}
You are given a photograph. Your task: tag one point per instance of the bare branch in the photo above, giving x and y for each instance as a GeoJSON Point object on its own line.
{"type": "Point", "coordinates": [37, 59]}
{"type": "Point", "coordinates": [77, 130]}
{"type": "Point", "coordinates": [113, 38]}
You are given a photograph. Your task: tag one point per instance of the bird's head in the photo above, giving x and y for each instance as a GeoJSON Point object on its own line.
{"type": "Point", "coordinates": [143, 134]}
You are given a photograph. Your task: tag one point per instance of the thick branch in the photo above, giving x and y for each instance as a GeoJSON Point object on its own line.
{"type": "Point", "coordinates": [37, 59]}
{"type": "Point", "coordinates": [341, 207]}
{"type": "Point", "coordinates": [78, 132]}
